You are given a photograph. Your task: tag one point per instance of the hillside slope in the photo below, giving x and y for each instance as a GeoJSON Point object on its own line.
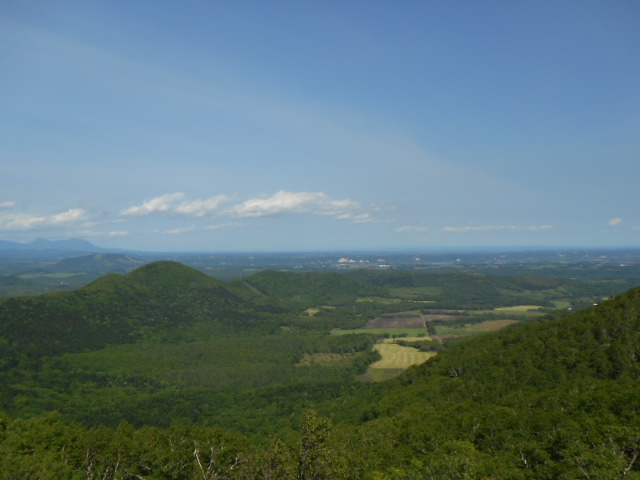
{"type": "Point", "coordinates": [554, 399]}
{"type": "Point", "coordinates": [310, 288]}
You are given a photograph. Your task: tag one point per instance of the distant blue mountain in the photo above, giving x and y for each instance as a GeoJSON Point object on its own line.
{"type": "Point", "coordinates": [8, 244]}
{"type": "Point", "coordinates": [72, 244]}
{"type": "Point", "coordinates": [42, 244]}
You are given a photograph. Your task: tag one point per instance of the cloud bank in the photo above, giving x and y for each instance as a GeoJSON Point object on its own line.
{"type": "Point", "coordinates": [281, 203]}
{"type": "Point", "coordinates": [23, 221]}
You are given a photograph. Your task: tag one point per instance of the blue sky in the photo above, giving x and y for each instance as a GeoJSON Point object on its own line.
{"type": "Point", "coordinates": [320, 125]}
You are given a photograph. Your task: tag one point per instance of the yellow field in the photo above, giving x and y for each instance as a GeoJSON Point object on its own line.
{"type": "Point", "coordinates": [518, 309]}
{"type": "Point", "coordinates": [396, 356]}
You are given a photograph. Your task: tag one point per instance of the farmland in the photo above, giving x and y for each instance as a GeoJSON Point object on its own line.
{"type": "Point", "coordinates": [409, 320]}
{"type": "Point", "coordinates": [395, 359]}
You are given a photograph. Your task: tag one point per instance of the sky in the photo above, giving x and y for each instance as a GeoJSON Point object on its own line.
{"type": "Point", "coordinates": [320, 125]}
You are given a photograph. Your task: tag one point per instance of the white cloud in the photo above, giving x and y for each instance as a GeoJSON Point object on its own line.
{"type": "Point", "coordinates": [201, 208]}
{"type": "Point", "coordinates": [21, 221]}
{"type": "Point", "coordinates": [410, 228]}
{"type": "Point", "coordinates": [70, 216]}
{"type": "Point", "coordinates": [337, 207]}
{"type": "Point", "coordinates": [7, 204]}
{"type": "Point", "coordinates": [283, 202]}
{"type": "Point", "coordinates": [180, 231]}
{"type": "Point", "coordinates": [157, 204]}
{"type": "Point", "coordinates": [91, 233]}
{"type": "Point", "coordinates": [364, 218]}
{"type": "Point", "coordinates": [222, 225]}
{"type": "Point", "coordinates": [614, 222]}
{"type": "Point", "coordinates": [530, 228]}
{"type": "Point", "coordinates": [170, 203]}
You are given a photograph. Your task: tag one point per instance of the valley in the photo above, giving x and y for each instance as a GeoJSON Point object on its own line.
{"type": "Point", "coordinates": [424, 373]}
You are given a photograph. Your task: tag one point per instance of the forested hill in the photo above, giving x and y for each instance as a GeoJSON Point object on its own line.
{"type": "Point", "coordinates": [552, 399]}
{"type": "Point", "coordinates": [156, 301]}
{"type": "Point", "coordinates": [309, 288]}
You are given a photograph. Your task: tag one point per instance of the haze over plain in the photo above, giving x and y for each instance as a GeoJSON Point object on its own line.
{"type": "Point", "coordinates": [327, 125]}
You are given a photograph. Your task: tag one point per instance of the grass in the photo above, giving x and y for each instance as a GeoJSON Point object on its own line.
{"type": "Point", "coordinates": [409, 339]}
{"type": "Point", "coordinates": [383, 300]}
{"type": "Point", "coordinates": [324, 359]}
{"type": "Point", "coordinates": [380, 374]}
{"type": "Point", "coordinates": [445, 330]}
{"type": "Point", "coordinates": [381, 331]}
{"type": "Point", "coordinates": [395, 359]}
{"type": "Point", "coordinates": [31, 276]}
{"type": "Point", "coordinates": [492, 325]}
{"type": "Point", "coordinates": [416, 292]}
{"type": "Point", "coordinates": [519, 309]}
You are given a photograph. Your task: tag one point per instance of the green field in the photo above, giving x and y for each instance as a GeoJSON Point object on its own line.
{"type": "Point", "coordinates": [31, 276]}
{"type": "Point", "coordinates": [519, 309]}
{"type": "Point", "coordinates": [412, 332]}
{"type": "Point", "coordinates": [382, 300]}
{"type": "Point", "coordinates": [416, 292]}
{"type": "Point", "coordinates": [492, 325]}
{"type": "Point", "coordinates": [458, 331]}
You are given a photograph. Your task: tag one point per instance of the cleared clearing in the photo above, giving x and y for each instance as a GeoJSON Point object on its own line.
{"type": "Point", "coordinates": [396, 356]}
{"type": "Point", "coordinates": [518, 309]}
{"type": "Point", "coordinates": [324, 359]}
{"type": "Point", "coordinates": [384, 300]}
{"type": "Point", "coordinates": [395, 360]}
{"type": "Point", "coordinates": [383, 331]}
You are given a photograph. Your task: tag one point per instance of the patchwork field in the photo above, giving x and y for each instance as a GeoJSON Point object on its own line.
{"type": "Point", "coordinates": [441, 317]}
{"type": "Point", "coordinates": [394, 332]}
{"type": "Point", "coordinates": [397, 321]}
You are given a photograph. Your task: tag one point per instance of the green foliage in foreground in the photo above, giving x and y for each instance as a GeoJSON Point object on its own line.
{"type": "Point", "coordinates": [45, 448]}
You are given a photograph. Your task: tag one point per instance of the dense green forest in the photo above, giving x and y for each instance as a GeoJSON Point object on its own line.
{"type": "Point", "coordinates": [166, 372]}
